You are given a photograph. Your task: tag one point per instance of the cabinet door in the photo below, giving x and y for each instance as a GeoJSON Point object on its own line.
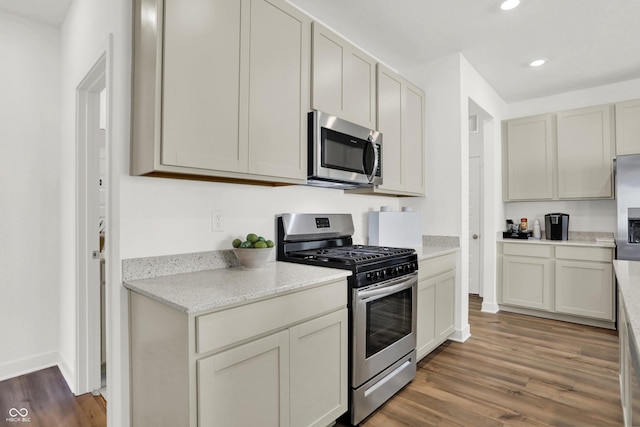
{"type": "Point", "coordinates": [343, 78]}
{"type": "Point", "coordinates": [425, 317]}
{"type": "Point", "coordinates": [319, 350]}
{"type": "Point", "coordinates": [390, 98]}
{"type": "Point", "coordinates": [628, 127]}
{"type": "Point", "coordinates": [445, 299]}
{"type": "Point", "coordinates": [278, 89]}
{"type": "Point", "coordinates": [585, 288]}
{"type": "Point", "coordinates": [435, 316]}
{"type": "Point", "coordinates": [526, 282]}
{"type": "Point", "coordinates": [361, 88]}
{"type": "Point", "coordinates": [247, 385]}
{"type": "Point", "coordinates": [528, 157]}
{"type": "Point", "coordinates": [585, 153]}
{"type": "Point", "coordinates": [328, 71]}
{"type": "Point", "coordinates": [401, 121]}
{"type": "Point", "coordinates": [413, 171]}
{"type": "Point", "coordinates": [201, 83]}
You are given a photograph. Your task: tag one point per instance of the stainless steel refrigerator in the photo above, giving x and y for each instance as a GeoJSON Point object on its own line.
{"type": "Point", "coordinates": [628, 204]}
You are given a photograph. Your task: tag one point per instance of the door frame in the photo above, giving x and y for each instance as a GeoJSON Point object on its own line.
{"type": "Point", "coordinates": [481, 230]}
{"type": "Point", "coordinates": [88, 269]}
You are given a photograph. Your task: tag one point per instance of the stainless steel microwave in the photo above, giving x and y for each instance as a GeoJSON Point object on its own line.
{"type": "Point", "coordinates": [342, 154]}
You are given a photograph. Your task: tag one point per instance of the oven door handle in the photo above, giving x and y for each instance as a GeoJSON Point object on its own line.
{"type": "Point", "coordinates": [405, 282]}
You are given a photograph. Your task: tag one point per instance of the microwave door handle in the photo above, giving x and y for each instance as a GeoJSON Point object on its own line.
{"type": "Point", "coordinates": [376, 158]}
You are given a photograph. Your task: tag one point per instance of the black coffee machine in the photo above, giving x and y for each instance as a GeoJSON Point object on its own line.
{"type": "Point", "coordinates": [556, 226]}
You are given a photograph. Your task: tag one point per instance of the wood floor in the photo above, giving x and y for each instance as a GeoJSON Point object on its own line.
{"type": "Point", "coordinates": [48, 402]}
{"type": "Point", "coordinates": [515, 370]}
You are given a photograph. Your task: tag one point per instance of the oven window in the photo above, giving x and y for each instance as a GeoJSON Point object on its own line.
{"type": "Point", "coordinates": [388, 320]}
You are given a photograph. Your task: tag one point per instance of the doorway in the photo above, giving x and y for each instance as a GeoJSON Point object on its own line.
{"type": "Point", "coordinates": [92, 178]}
{"type": "Point", "coordinates": [476, 189]}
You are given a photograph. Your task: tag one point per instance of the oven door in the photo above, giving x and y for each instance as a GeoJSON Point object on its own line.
{"type": "Point", "coordinates": [384, 325]}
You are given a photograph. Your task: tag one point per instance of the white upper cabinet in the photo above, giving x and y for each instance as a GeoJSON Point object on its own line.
{"type": "Point", "coordinates": [585, 153]}
{"type": "Point", "coordinates": [279, 90]}
{"type": "Point", "coordinates": [400, 106]}
{"type": "Point", "coordinates": [221, 90]}
{"type": "Point", "coordinates": [628, 127]}
{"type": "Point", "coordinates": [200, 103]}
{"type": "Point", "coordinates": [560, 156]}
{"type": "Point", "coordinates": [343, 78]}
{"type": "Point", "coordinates": [528, 158]}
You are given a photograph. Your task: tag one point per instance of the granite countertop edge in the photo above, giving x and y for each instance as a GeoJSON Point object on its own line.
{"type": "Point", "coordinates": [428, 252]}
{"type": "Point", "coordinates": [221, 288]}
{"type": "Point", "coordinates": [587, 239]}
{"type": "Point", "coordinates": [628, 278]}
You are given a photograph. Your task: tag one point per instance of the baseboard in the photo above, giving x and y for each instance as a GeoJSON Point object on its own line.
{"type": "Point", "coordinates": [490, 307]}
{"type": "Point", "coordinates": [461, 335]}
{"type": "Point", "coordinates": [67, 374]}
{"type": "Point", "coordinates": [28, 364]}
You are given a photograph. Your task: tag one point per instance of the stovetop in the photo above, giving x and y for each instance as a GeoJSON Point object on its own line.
{"type": "Point", "coordinates": [351, 255]}
{"type": "Point", "coordinates": [325, 240]}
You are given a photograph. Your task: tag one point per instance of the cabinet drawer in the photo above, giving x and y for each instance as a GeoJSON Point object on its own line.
{"type": "Point", "coordinates": [434, 266]}
{"type": "Point", "coordinates": [527, 249]}
{"type": "Point", "coordinates": [584, 253]}
{"type": "Point", "coordinates": [226, 327]}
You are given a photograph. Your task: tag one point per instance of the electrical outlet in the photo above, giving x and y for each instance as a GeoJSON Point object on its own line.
{"type": "Point", "coordinates": [217, 223]}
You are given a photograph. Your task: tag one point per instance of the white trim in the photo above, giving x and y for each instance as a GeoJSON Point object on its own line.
{"type": "Point", "coordinates": [461, 335]}
{"type": "Point", "coordinates": [27, 365]}
{"type": "Point", "coordinates": [490, 307]}
{"type": "Point", "coordinates": [87, 316]}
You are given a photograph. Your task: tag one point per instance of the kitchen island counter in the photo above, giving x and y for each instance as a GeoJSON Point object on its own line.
{"type": "Point", "coordinates": [628, 278]}
{"type": "Point", "coordinates": [227, 287]}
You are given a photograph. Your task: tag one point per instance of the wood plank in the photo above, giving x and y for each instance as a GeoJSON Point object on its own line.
{"type": "Point", "coordinates": [49, 402]}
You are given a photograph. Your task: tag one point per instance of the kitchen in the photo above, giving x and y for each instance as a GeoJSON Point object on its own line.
{"type": "Point", "coordinates": [154, 217]}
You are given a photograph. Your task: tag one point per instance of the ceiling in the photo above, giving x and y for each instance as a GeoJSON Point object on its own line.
{"type": "Point", "coordinates": [49, 12]}
{"type": "Point", "coordinates": [586, 42]}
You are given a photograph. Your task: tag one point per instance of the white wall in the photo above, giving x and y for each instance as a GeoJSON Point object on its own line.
{"type": "Point", "coordinates": [450, 84]}
{"type": "Point", "coordinates": [441, 209]}
{"type": "Point", "coordinates": [598, 215]}
{"type": "Point", "coordinates": [29, 194]}
{"type": "Point", "coordinates": [169, 216]}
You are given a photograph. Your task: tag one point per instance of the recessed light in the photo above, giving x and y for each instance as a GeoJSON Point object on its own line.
{"type": "Point", "coordinates": [509, 4]}
{"type": "Point", "coordinates": [537, 62]}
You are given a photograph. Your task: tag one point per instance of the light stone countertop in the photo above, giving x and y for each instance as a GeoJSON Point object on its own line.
{"type": "Point", "coordinates": [427, 252]}
{"type": "Point", "coordinates": [198, 282]}
{"type": "Point", "coordinates": [601, 240]}
{"type": "Point", "coordinates": [226, 287]}
{"type": "Point", "coordinates": [628, 276]}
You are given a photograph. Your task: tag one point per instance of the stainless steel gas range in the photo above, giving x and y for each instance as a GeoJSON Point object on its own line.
{"type": "Point", "coordinates": [382, 302]}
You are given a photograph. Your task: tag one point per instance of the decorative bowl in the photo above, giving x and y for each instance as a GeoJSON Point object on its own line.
{"type": "Point", "coordinates": [253, 257]}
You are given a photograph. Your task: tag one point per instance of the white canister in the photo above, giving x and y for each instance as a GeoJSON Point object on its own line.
{"type": "Point", "coordinates": [536, 229]}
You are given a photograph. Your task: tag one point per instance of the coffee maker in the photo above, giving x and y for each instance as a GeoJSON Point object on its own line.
{"type": "Point", "coordinates": [556, 226]}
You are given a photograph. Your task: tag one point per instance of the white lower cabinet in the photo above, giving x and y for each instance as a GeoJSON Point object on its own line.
{"type": "Point", "coordinates": [295, 377]}
{"type": "Point", "coordinates": [247, 385]}
{"type": "Point", "coordinates": [527, 282]}
{"type": "Point", "coordinates": [277, 362]}
{"type": "Point", "coordinates": [571, 283]}
{"type": "Point", "coordinates": [584, 288]}
{"type": "Point", "coordinates": [436, 299]}
{"type": "Point", "coordinates": [629, 368]}
{"type": "Point", "coordinates": [318, 370]}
